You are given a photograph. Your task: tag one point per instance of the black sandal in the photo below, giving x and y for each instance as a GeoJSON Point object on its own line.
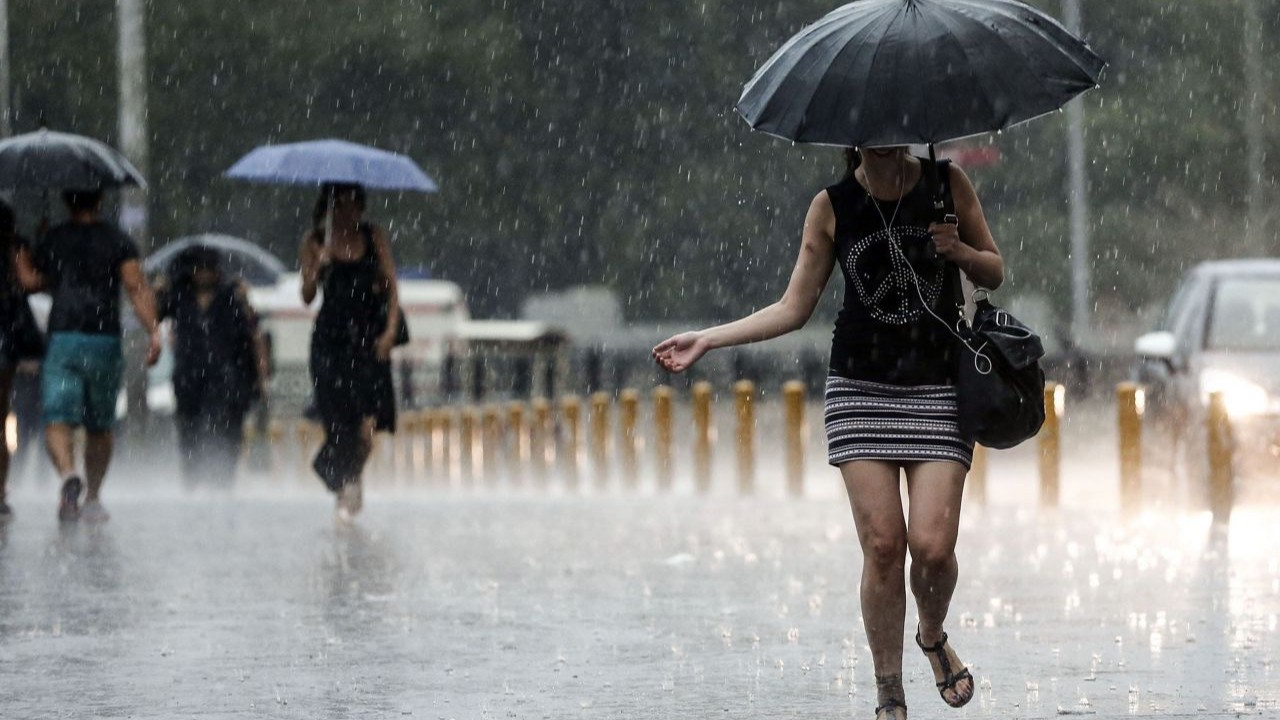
{"type": "Point", "coordinates": [949, 680]}
{"type": "Point", "coordinates": [890, 688]}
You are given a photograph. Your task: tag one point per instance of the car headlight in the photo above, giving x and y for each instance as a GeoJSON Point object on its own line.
{"type": "Point", "coordinates": [1242, 397]}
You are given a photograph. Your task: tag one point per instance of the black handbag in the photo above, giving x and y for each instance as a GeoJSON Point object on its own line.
{"type": "Point", "coordinates": [402, 327]}
{"type": "Point", "coordinates": [999, 381]}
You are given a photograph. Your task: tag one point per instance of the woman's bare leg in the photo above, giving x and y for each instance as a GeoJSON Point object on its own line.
{"type": "Point", "coordinates": [6, 388]}
{"type": "Point", "coordinates": [935, 490]}
{"type": "Point", "coordinates": [876, 501]}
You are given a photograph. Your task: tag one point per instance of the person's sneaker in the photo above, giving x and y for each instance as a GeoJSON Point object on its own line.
{"type": "Point", "coordinates": [94, 512]}
{"type": "Point", "coordinates": [69, 500]}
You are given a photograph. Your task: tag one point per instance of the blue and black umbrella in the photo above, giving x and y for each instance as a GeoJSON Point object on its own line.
{"type": "Point", "coordinates": [332, 162]}
{"type": "Point", "coordinates": [901, 72]}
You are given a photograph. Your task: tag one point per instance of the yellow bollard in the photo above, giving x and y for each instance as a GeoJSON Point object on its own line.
{"type": "Point", "coordinates": [541, 451]}
{"type": "Point", "coordinates": [1051, 445]}
{"type": "Point", "coordinates": [1129, 407]}
{"type": "Point", "coordinates": [469, 446]}
{"type": "Point", "coordinates": [308, 443]}
{"type": "Point", "coordinates": [600, 437]}
{"type": "Point", "coordinates": [1221, 448]}
{"type": "Point", "coordinates": [977, 480]}
{"type": "Point", "coordinates": [443, 453]}
{"type": "Point", "coordinates": [702, 440]}
{"type": "Point", "coordinates": [663, 434]}
{"type": "Point", "coordinates": [571, 408]}
{"type": "Point", "coordinates": [744, 405]}
{"type": "Point", "coordinates": [793, 430]}
{"type": "Point", "coordinates": [629, 454]}
{"type": "Point", "coordinates": [518, 442]}
{"type": "Point", "coordinates": [491, 419]}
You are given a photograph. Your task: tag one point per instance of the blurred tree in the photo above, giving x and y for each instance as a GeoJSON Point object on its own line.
{"type": "Point", "coordinates": [593, 141]}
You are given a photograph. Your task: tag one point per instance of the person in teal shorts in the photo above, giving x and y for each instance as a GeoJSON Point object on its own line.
{"type": "Point", "coordinates": [84, 264]}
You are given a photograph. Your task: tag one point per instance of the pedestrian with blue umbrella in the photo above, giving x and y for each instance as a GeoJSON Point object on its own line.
{"type": "Point", "coordinates": [873, 77]}
{"type": "Point", "coordinates": [347, 262]}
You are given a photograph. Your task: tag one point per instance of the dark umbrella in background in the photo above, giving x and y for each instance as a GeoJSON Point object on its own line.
{"type": "Point", "coordinates": [900, 72]}
{"type": "Point", "coordinates": [47, 160]}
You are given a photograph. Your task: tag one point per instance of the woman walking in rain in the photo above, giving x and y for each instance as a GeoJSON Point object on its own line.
{"type": "Point", "coordinates": [218, 366]}
{"type": "Point", "coordinates": [890, 398]}
{"type": "Point", "coordinates": [19, 337]}
{"type": "Point", "coordinates": [350, 261]}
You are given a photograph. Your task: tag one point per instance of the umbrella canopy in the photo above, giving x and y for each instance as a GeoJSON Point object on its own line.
{"type": "Point", "coordinates": [46, 160]}
{"type": "Point", "coordinates": [238, 258]}
{"type": "Point", "coordinates": [899, 72]}
{"type": "Point", "coordinates": [318, 162]}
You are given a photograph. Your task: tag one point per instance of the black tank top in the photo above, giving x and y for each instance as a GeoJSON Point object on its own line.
{"type": "Point", "coordinates": [883, 333]}
{"type": "Point", "coordinates": [352, 309]}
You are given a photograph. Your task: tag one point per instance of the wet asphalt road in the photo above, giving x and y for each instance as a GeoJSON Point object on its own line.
{"type": "Point", "coordinates": [501, 605]}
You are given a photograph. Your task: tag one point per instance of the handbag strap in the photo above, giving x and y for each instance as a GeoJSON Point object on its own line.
{"type": "Point", "coordinates": [944, 201]}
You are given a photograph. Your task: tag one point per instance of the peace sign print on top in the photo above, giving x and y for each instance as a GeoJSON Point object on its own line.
{"type": "Point", "coordinates": [885, 275]}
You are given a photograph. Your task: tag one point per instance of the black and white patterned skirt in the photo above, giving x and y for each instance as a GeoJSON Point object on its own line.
{"type": "Point", "coordinates": [892, 423]}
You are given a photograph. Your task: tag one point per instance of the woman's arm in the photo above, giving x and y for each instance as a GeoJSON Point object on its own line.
{"type": "Point", "coordinates": [969, 244]}
{"type": "Point", "coordinates": [312, 257]}
{"type": "Point", "coordinates": [808, 279]}
{"type": "Point", "coordinates": [388, 266]}
{"type": "Point", "coordinates": [25, 268]}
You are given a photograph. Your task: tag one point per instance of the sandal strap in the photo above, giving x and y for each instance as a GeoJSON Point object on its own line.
{"type": "Point", "coordinates": [949, 683]}
{"type": "Point", "coordinates": [949, 679]}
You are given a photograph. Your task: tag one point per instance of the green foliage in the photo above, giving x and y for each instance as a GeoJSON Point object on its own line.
{"type": "Point", "coordinates": [593, 141]}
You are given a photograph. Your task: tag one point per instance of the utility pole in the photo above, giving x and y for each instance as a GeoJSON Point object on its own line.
{"type": "Point", "coordinates": [132, 52]}
{"type": "Point", "coordinates": [1081, 323]}
{"type": "Point", "coordinates": [6, 96]}
{"type": "Point", "coordinates": [132, 60]}
{"type": "Point", "coordinates": [1255, 143]}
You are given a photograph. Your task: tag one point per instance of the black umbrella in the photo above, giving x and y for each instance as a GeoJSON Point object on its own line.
{"type": "Point", "coordinates": [900, 72]}
{"type": "Point", "coordinates": [47, 160]}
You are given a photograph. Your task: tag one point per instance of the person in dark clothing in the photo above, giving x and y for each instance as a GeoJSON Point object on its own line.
{"type": "Point", "coordinates": [349, 262]}
{"type": "Point", "coordinates": [19, 337]}
{"type": "Point", "coordinates": [84, 264]}
{"type": "Point", "coordinates": [217, 366]}
{"type": "Point", "coordinates": [891, 399]}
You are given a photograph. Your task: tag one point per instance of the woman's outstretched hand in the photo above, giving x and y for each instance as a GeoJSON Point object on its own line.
{"type": "Point", "coordinates": [679, 353]}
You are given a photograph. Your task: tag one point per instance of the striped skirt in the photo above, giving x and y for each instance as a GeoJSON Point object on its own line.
{"type": "Point", "coordinates": [892, 423]}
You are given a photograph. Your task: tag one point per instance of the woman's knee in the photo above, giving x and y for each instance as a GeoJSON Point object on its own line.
{"type": "Point", "coordinates": [884, 548]}
{"type": "Point", "coordinates": [931, 549]}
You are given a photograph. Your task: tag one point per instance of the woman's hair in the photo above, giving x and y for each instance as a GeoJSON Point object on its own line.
{"type": "Point", "coordinates": [329, 190]}
{"type": "Point", "coordinates": [83, 200]}
{"type": "Point", "coordinates": [8, 233]}
{"type": "Point", "coordinates": [852, 159]}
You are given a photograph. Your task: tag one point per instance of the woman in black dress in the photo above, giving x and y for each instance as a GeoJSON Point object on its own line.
{"type": "Point", "coordinates": [354, 333]}
{"type": "Point", "coordinates": [19, 337]}
{"type": "Point", "coordinates": [218, 366]}
{"type": "Point", "coordinates": [890, 401]}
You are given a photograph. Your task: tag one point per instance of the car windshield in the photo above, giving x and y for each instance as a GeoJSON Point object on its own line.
{"type": "Point", "coordinates": [1246, 315]}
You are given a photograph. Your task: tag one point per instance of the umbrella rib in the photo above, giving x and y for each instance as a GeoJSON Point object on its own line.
{"type": "Point", "coordinates": [888, 18]}
{"type": "Point", "coordinates": [1052, 32]}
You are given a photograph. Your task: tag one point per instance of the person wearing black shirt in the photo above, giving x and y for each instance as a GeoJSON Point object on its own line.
{"type": "Point", "coordinates": [84, 264]}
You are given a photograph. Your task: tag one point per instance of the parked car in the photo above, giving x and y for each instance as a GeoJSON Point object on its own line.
{"type": "Point", "coordinates": [1220, 333]}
